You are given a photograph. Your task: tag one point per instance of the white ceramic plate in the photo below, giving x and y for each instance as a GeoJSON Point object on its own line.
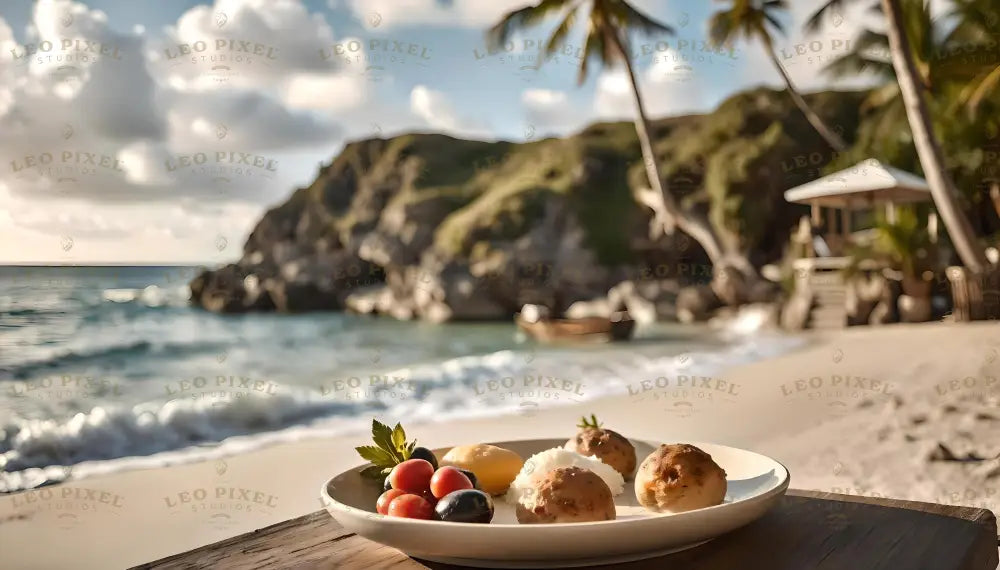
{"type": "Point", "coordinates": [755, 483]}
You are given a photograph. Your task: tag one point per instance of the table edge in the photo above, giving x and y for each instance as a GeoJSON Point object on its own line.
{"type": "Point", "coordinates": [977, 515]}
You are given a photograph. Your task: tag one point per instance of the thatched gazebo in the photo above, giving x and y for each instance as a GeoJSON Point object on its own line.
{"type": "Point", "coordinates": [868, 185]}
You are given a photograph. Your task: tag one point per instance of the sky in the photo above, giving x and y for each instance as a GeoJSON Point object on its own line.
{"type": "Point", "coordinates": [146, 131]}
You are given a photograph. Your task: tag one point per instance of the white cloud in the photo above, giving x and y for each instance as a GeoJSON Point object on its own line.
{"type": "Point", "coordinates": [433, 107]}
{"type": "Point", "coordinates": [438, 112]}
{"type": "Point", "coordinates": [147, 163]}
{"type": "Point", "coordinates": [550, 111]}
{"type": "Point", "coordinates": [394, 13]}
{"type": "Point", "coordinates": [32, 231]}
{"type": "Point", "coordinates": [118, 107]}
{"type": "Point", "coordinates": [102, 135]}
{"type": "Point", "coordinates": [325, 92]}
{"type": "Point", "coordinates": [243, 43]}
{"type": "Point", "coordinates": [150, 115]}
{"type": "Point", "coordinates": [611, 98]}
{"type": "Point", "coordinates": [543, 98]}
{"type": "Point", "coordinates": [668, 87]}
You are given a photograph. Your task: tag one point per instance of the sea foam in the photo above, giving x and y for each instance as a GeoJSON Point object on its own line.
{"type": "Point", "coordinates": [112, 438]}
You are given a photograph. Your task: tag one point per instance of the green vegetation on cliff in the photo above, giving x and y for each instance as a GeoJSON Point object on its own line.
{"type": "Point", "coordinates": [732, 164]}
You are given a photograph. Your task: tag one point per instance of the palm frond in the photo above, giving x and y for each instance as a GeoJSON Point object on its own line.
{"type": "Point", "coordinates": [559, 35]}
{"type": "Point", "coordinates": [869, 55]}
{"type": "Point", "coordinates": [904, 243]}
{"type": "Point", "coordinates": [976, 22]}
{"type": "Point", "coordinates": [608, 35]}
{"type": "Point", "coordinates": [594, 47]}
{"type": "Point", "coordinates": [815, 22]}
{"type": "Point", "coordinates": [746, 18]}
{"type": "Point", "coordinates": [627, 18]}
{"type": "Point", "coordinates": [984, 87]}
{"type": "Point", "coordinates": [853, 64]}
{"type": "Point", "coordinates": [521, 18]}
{"type": "Point", "coordinates": [720, 28]}
{"type": "Point", "coordinates": [775, 23]}
{"type": "Point", "coordinates": [868, 40]}
{"type": "Point", "coordinates": [967, 66]}
{"type": "Point", "coordinates": [589, 49]}
{"type": "Point", "coordinates": [919, 26]}
{"type": "Point", "coordinates": [892, 117]}
{"type": "Point", "coordinates": [881, 96]}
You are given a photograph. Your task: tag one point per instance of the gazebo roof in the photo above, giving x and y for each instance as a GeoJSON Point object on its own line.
{"type": "Point", "coordinates": [860, 186]}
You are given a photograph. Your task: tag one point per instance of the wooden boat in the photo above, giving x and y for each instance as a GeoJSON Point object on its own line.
{"type": "Point", "coordinates": [618, 327]}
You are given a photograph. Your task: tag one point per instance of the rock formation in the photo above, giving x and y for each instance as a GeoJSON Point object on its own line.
{"type": "Point", "coordinates": [433, 227]}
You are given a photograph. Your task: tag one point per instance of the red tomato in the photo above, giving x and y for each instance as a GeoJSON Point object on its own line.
{"type": "Point", "coordinates": [411, 507]}
{"type": "Point", "coordinates": [448, 479]}
{"type": "Point", "coordinates": [412, 475]}
{"type": "Point", "coordinates": [382, 505]}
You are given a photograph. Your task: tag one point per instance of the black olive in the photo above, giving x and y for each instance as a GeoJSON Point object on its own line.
{"type": "Point", "coordinates": [426, 455]}
{"type": "Point", "coordinates": [467, 505]}
{"type": "Point", "coordinates": [471, 476]}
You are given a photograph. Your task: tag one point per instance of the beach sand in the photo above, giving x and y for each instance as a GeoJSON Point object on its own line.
{"type": "Point", "coordinates": [906, 411]}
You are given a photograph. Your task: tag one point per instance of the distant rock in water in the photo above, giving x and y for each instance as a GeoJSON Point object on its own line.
{"type": "Point", "coordinates": [432, 227]}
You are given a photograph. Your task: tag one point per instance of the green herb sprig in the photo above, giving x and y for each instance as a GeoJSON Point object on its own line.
{"type": "Point", "coordinates": [390, 449]}
{"type": "Point", "coordinates": [593, 423]}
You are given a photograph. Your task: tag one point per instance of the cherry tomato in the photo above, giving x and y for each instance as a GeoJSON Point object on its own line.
{"type": "Point", "coordinates": [412, 475]}
{"type": "Point", "coordinates": [382, 505]}
{"type": "Point", "coordinates": [448, 479]}
{"type": "Point", "coordinates": [411, 507]}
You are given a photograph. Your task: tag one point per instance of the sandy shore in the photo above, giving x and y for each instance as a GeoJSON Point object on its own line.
{"type": "Point", "coordinates": [901, 411]}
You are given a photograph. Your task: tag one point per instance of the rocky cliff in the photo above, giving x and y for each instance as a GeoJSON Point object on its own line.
{"type": "Point", "coordinates": [434, 227]}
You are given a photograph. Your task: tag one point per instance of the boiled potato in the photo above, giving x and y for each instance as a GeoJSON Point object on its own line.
{"type": "Point", "coordinates": [495, 467]}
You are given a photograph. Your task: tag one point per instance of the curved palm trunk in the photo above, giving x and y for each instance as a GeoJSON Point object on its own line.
{"type": "Point", "coordinates": [931, 157]}
{"type": "Point", "coordinates": [831, 138]}
{"type": "Point", "coordinates": [698, 229]}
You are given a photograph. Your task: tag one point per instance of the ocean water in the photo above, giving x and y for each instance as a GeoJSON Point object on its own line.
{"type": "Point", "coordinates": [109, 368]}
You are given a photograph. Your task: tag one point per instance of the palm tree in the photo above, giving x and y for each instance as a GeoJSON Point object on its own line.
{"type": "Point", "coordinates": [928, 149]}
{"type": "Point", "coordinates": [970, 49]}
{"type": "Point", "coordinates": [955, 69]}
{"type": "Point", "coordinates": [607, 38]}
{"type": "Point", "coordinates": [869, 55]}
{"type": "Point", "coordinates": [754, 19]}
{"type": "Point", "coordinates": [978, 22]}
{"type": "Point", "coordinates": [942, 61]}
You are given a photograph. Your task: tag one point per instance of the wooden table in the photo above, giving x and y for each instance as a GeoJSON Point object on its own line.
{"type": "Point", "coordinates": [806, 530]}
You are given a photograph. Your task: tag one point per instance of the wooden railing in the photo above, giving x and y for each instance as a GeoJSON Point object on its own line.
{"type": "Point", "coordinates": [976, 297]}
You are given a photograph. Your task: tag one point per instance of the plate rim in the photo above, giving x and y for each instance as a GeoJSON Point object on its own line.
{"type": "Point", "coordinates": [348, 510]}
